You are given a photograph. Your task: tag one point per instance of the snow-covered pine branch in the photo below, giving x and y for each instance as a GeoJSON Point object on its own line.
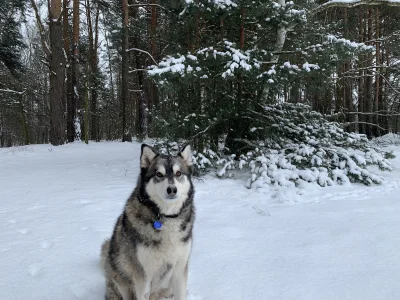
{"type": "Point", "coordinates": [293, 145]}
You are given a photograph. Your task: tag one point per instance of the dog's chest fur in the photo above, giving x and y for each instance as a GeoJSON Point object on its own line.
{"type": "Point", "coordinates": [159, 250]}
{"type": "Point", "coordinates": [160, 261]}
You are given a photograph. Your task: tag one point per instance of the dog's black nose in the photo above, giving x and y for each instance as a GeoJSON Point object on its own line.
{"type": "Point", "coordinates": [171, 190]}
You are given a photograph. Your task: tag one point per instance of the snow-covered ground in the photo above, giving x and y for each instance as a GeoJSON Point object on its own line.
{"type": "Point", "coordinates": [58, 204]}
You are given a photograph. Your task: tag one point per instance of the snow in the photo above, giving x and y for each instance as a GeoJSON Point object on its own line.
{"type": "Point", "coordinates": [308, 67]}
{"type": "Point", "coordinates": [221, 4]}
{"type": "Point", "coordinates": [333, 39]}
{"type": "Point", "coordinates": [58, 204]}
{"type": "Point", "coordinates": [170, 64]}
{"type": "Point", "coordinates": [235, 60]}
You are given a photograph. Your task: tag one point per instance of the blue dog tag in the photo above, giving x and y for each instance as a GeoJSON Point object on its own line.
{"type": "Point", "coordinates": [157, 224]}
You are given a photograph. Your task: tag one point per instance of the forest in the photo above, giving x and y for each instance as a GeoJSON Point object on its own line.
{"type": "Point", "coordinates": [194, 70]}
{"type": "Point", "coordinates": [278, 120]}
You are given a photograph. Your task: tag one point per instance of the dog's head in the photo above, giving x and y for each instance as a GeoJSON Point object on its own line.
{"type": "Point", "coordinates": [166, 179]}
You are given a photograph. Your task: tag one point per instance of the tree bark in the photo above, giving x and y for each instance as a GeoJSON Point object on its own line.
{"type": "Point", "coordinates": [152, 88]}
{"type": "Point", "coordinates": [347, 82]}
{"type": "Point", "coordinates": [68, 84]}
{"type": "Point", "coordinates": [280, 42]}
{"type": "Point", "coordinates": [57, 75]}
{"type": "Point", "coordinates": [75, 64]}
{"type": "Point", "coordinates": [72, 90]}
{"type": "Point", "coordinates": [377, 77]}
{"type": "Point", "coordinates": [126, 134]}
{"type": "Point", "coordinates": [361, 83]}
{"type": "Point", "coordinates": [368, 79]}
{"type": "Point", "coordinates": [24, 122]}
{"type": "Point", "coordinates": [93, 41]}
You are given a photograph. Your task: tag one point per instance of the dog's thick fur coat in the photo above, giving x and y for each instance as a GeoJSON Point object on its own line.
{"type": "Point", "coordinates": [140, 261]}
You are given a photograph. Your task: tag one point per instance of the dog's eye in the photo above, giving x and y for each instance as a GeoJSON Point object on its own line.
{"type": "Point", "coordinates": [159, 174]}
{"type": "Point", "coordinates": [178, 173]}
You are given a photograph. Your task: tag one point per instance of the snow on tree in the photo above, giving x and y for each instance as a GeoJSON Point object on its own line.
{"type": "Point", "coordinates": [293, 145]}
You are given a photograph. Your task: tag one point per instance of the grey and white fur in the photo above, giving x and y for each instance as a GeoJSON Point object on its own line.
{"type": "Point", "coordinates": [140, 261]}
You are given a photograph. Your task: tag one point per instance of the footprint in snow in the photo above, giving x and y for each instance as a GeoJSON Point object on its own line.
{"type": "Point", "coordinates": [34, 269]}
{"type": "Point", "coordinates": [46, 244]}
{"type": "Point", "coordinates": [79, 291]}
{"type": "Point", "coordinates": [24, 230]}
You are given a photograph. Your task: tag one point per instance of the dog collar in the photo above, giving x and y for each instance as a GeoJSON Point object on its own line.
{"type": "Point", "coordinates": [157, 224]}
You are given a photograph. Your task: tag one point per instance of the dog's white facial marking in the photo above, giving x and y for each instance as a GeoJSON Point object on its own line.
{"type": "Point", "coordinates": [156, 188]}
{"type": "Point", "coordinates": [158, 193]}
{"type": "Point", "coordinates": [161, 169]}
{"type": "Point", "coordinates": [183, 187]}
{"type": "Point", "coordinates": [176, 168]}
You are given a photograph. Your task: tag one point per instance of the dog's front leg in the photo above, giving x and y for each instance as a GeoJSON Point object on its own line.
{"type": "Point", "coordinates": [142, 289]}
{"type": "Point", "coordinates": [179, 281]}
{"type": "Point", "coordinates": [124, 291]}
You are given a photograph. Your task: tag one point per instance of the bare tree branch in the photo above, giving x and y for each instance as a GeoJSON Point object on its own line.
{"type": "Point", "coordinates": [372, 113]}
{"type": "Point", "coordinates": [143, 51]}
{"type": "Point", "coordinates": [148, 4]}
{"type": "Point", "coordinates": [12, 92]}
{"type": "Point", "coordinates": [201, 132]}
{"type": "Point", "coordinates": [332, 4]}
{"type": "Point", "coordinates": [45, 46]}
{"type": "Point", "coordinates": [358, 122]}
{"type": "Point", "coordinates": [137, 70]}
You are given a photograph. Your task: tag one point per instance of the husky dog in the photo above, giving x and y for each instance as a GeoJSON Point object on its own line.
{"type": "Point", "coordinates": [148, 253]}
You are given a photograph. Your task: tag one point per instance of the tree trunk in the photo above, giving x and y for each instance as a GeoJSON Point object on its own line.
{"type": "Point", "coordinates": [68, 84]}
{"type": "Point", "coordinates": [86, 115]}
{"type": "Point", "coordinates": [72, 91]}
{"type": "Point", "coordinates": [152, 88]}
{"type": "Point", "coordinates": [93, 41]}
{"type": "Point", "coordinates": [57, 76]}
{"type": "Point", "coordinates": [368, 81]}
{"type": "Point", "coordinates": [126, 134]}
{"type": "Point", "coordinates": [153, 29]}
{"type": "Point", "coordinates": [74, 65]}
{"type": "Point", "coordinates": [280, 42]}
{"type": "Point", "coordinates": [361, 83]}
{"type": "Point", "coordinates": [347, 81]}
{"type": "Point", "coordinates": [24, 122]}
{"type": "Point", "coordinates": [377, 77]}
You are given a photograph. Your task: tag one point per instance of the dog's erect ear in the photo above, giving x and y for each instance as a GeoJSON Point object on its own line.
{"type": "Point", "coordinates": [147, 156]}
{"type": "Point", "coordinates": [186, 154]}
